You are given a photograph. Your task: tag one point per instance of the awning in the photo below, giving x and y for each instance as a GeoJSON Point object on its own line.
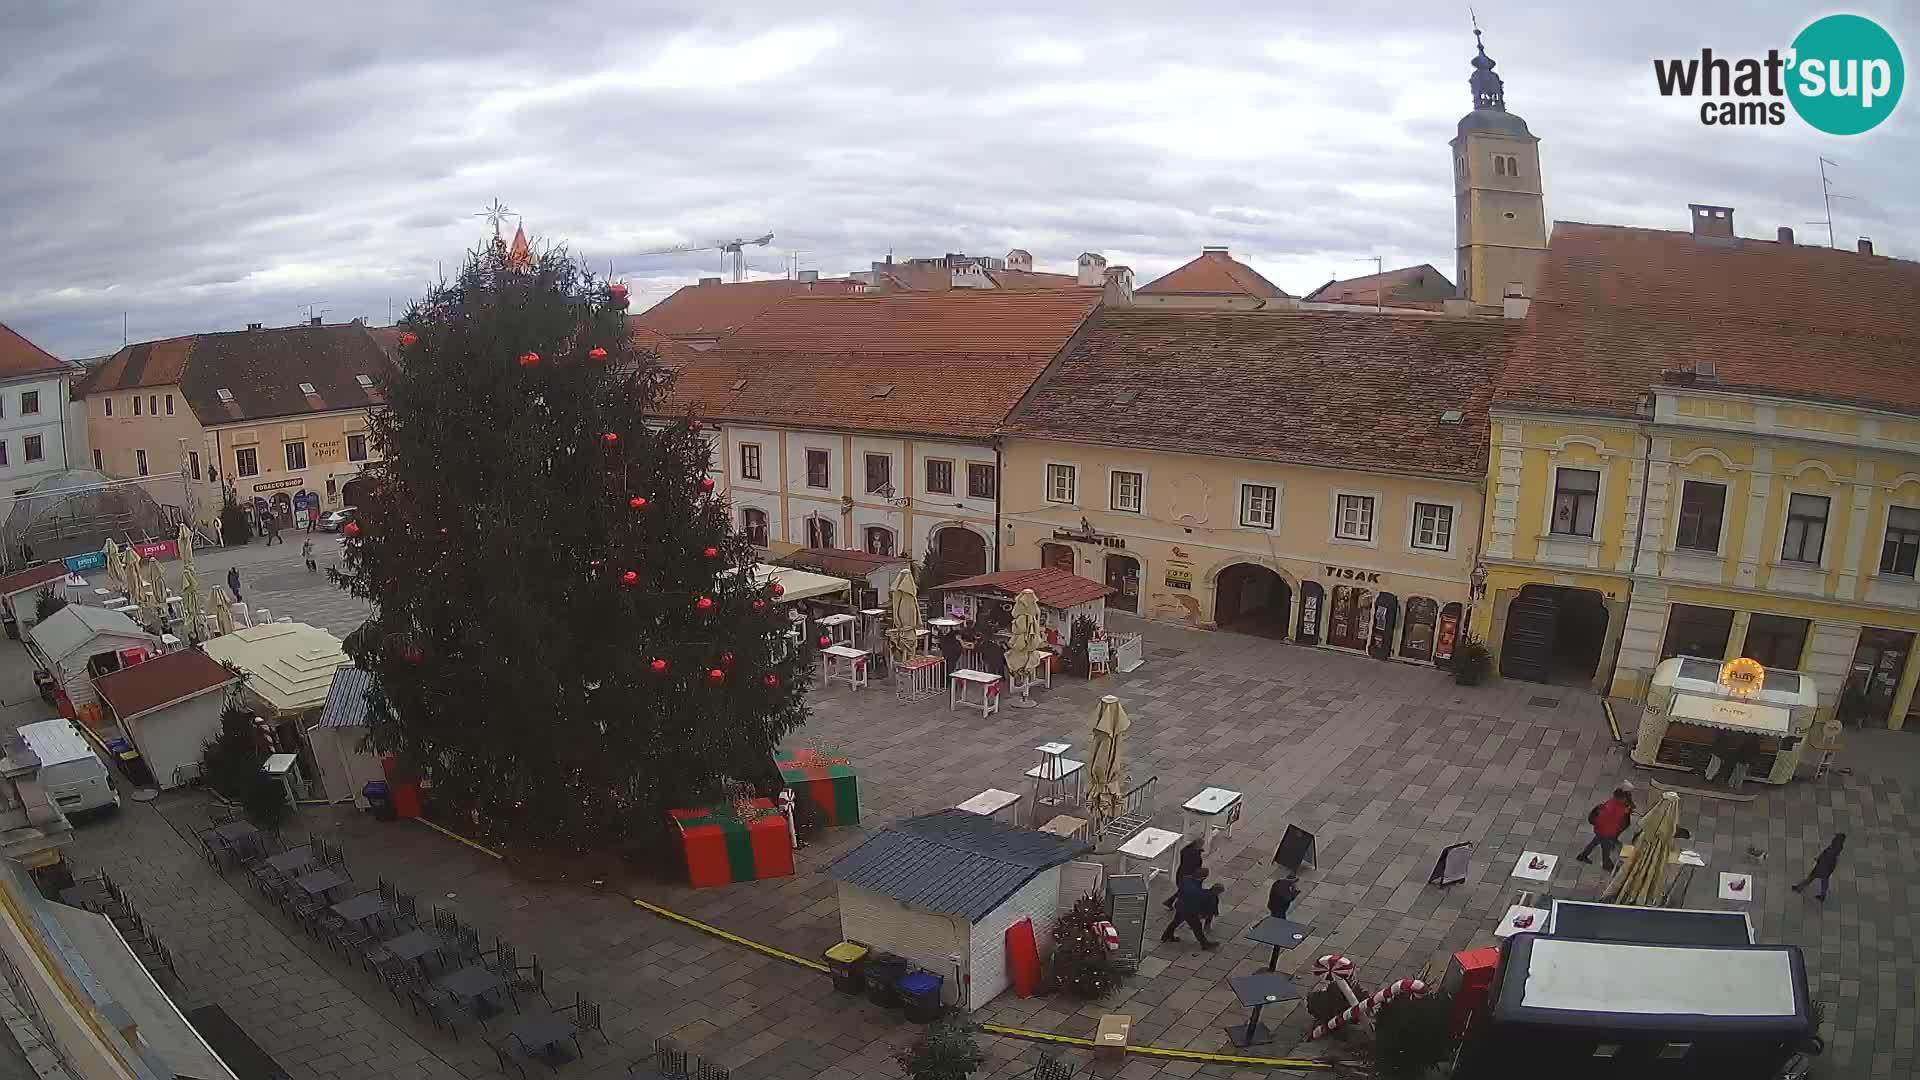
{"type": "Point", "coordinates": [121, 974]}
{"type": "Point", "coordinates": [799, 584]}
{"type": "Point", "coordinates": [1732, 715]}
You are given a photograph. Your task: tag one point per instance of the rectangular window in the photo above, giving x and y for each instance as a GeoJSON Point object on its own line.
{"type": "Point", "coordinates": [3, 451]}
{"type": "Point", "coordinates": [1353, 519]}
{"type": "Point", "coordinates": [819, 471]}
{"type": "Point", "coordinates": [296, 456]}
{"type": "Point", "coordinates": [31, 446]}
{"type": "Point", "coordinates": [1901, 549]}
{"type": "Point", "coordinates": [193, 463]}
{"type": "Point", "coordinates": [749, 461]}
{"type": "Point", "coordinates": [98, 464]}
{"type": "Point", "coordinates": [153, 404]}
{"type": "Point", "coordinates": [1125, 491]}
{"type": "Point", "coordinates": [1777, 641]}
{"type": "Point", "coordinates": [140, 462]}
{"type": "Point", "coordinates": [1806, 528]}
{"type": "Point", "coordinates": [1432, 526]}
{"type": "Point", "coordinates": [819, 532]}
{"type": "Point", "coordinates": [754, 523]}
{"type": "Point", "coordinates": [1576, 496]}
{"type": "Point", "coordinates": [356, 448]}
{"type": "Point", "coordinates": [982, 481]}
{"type": "Point", "coordinates": [879, 540]}
{"type": "Point", "coordinates": [1060, 483]}
{"type": "Point", "coordinates": [939, 476]}
{"type": "Point", "coordinates": [1702, 507]}
{"type": "Point", "coordinates": [169, 404]}
{"type": "Point", "coordinates": [246, 461]}
{"type": "Point", "coordinates": [880, 475]}
{"type": "Point", "coordinates": [108, 402]}
{"type": "Point", "coordinates": [30, 403]}
{"type": "Point", "coordinates": [136, 404]}
{"type": "Point", "coordinates": [1259, 505]}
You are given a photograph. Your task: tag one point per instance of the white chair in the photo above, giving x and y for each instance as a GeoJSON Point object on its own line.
{"type": "Point", "coordinates": [284, 618]}
{"type": "Point", "coordinates": [241, 616]}
{"type": "Point", "coordinates": [262, 616]}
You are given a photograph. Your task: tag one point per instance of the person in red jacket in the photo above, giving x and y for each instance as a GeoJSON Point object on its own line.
{"type": "Point", "coordinates": [1609, 820]}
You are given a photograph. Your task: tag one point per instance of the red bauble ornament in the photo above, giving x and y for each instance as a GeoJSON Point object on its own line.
{"type": "Point", "coordinates": [596, 563]}
{"type": "Point", "coordinates": [631, 577]}
{"type": "Point", "coordinates": [705, 603]}
{"type": "Point", "coordinates": [596, 353]}
{"type": "Point", "coordinates": [658, 667]}
{"type": "Point", "coordinates": [351, 528]}
{"type": "Point", "coordinates": [638, 502]}
{"type": "Point", "coordinates": [412, 654]}
{"type": "Point", "coordinates": [409, 339]}
{"type": "Point", "coordinates": [771, 680]}
{"type": "Point", "coordinates": [611, 439]}
{"type": "Point", "coordinates": [726, 659]}
{"type": "Point", "coordinates": [759, 605]}
{"type": "Point", "coordinates": [824, 641]}
{"type": "Point", "coordinates": [443, 532]}
{"type": "Point", "coordinates": [711, 553]}
{"type": "Point", "coordinates": [716, 676]}
{"type": "Point", "coordinates": [529, 358]}
{"type": "Point", "coordinates": [777, 589]}
{"type": "Point", "coordinates": [706, 483]}
{"type": "Point", "coordinates": [617, 291]}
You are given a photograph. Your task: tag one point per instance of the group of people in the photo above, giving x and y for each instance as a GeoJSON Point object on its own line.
{"type": "Point", "coordinates": [1611, 818]}
{"type": "Point", "coordinates": [1195, 903]}
{"type": "Point", "coordinates": [990, 655]}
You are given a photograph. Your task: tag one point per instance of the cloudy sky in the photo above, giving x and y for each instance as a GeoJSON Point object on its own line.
{"type": "Point", "coordinates": [198, 166]}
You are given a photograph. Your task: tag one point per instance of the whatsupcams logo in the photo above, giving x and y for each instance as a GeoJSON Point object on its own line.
{"type": "Point", "coordinates": [1843, 75]}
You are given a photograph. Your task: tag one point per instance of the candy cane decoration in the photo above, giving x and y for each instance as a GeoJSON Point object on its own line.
{"type": "Point", "coordinates": [1333, 964]}
{"type": "Point", "coordinates": [1366, 1009]}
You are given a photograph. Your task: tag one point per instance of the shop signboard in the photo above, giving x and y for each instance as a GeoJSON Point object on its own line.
{"type": "Point", "coordinates": [1180, 576]}
{"type": "Point", "coordinates": [86, 561]}
{"type": "Point", "coordinates": [160, 549]}
{"type": "Point", "coordinates": [1311, 597]}
{"type": "Point", "coordinates": [1448, 633]}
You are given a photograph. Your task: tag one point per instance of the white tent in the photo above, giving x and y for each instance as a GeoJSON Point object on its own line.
{"type": "Point", "coordinates": [799, 584]}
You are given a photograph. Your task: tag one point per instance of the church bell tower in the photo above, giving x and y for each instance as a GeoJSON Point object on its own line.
{"type": "Point", "coordinates": [1500, 221]}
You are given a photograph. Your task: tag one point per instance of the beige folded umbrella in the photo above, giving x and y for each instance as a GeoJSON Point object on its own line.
{"type": "Point", "coordinates": [1106, 778]}
{"type": "Point", "coordinates": [1641, 879]}
{"type": "Point", "coordinates": [111, 553]}
{"type": "Point", "coordinates": [222, 609]}
{"type": "Point", "coordinates": [904, 600]}
{"type": "Point", "coordinates": [1023, 646]}
{"type": "Point", "coordinates": [153, 591]}
{"type": "Point", "coordinates": [190, 606]}
{"type": "Point", "coordinates": [184, 541]}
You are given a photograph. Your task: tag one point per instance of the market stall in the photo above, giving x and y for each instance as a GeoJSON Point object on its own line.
{"type": "Point", "coordinates": [169, 708]}
{"type": "Point", "coordinates": [290, 669]}
{"type": "Point", "coordinates": [873, 573]}
{"type": "Point", "coordinates": [1698, 709]}
{"type": "Point", "coordinates": [79, 643]}
{"type": "Point", "coordinates": [1063, 596]}
{"type": "Point", "coordinates": [339, 738]}
{"type": "Point", "coordinates": [20, 594]}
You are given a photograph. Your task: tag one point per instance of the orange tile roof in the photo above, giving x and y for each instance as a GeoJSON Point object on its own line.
{"type": "Point", "coordinates": [950, 363]}
{"type": "Point", "coordinates": [1028, 280]}
{"type": "Point", "coordinates": [1619, 306]}
{"type": "Point", "coordinates": [1423, 282]}
{"type": "Point", "coordinates": [160, 682]}
{"type": "Point", "coordinates": [718, 309]}
{"type": "Point", "coordinates": [18, 356]}
{"type": "Point", "coordinates": [673, 354]}
{"type": "Point", "coordinates": [1052, 586]}
{"type": "Point", "coordinates": [1215, 272]}
{"type": "Point", "coordinates": [145, 363]}
{"type": "Point", "coordinates": [31, 578]}
{"type": "Point", "coordinates": [1337, 389]}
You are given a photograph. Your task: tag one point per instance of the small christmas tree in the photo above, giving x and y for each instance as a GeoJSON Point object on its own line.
{"type": "Point", "coordinates": [943, 1051]}
{"type": "Point", "coordinates": [1082, 964]}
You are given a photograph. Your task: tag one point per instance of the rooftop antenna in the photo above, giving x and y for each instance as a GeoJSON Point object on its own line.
{"type": "Point", "coordinates": [1826, 197]}
{"type": "Point", "coordinates": [1378, 269]}
{"type": "Point", "coordinates": [123, 329]}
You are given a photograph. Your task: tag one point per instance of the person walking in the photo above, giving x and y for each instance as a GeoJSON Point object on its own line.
{"type": "Point", "coordinates": [1189, 901]}
{"type": "Point", "coordinates": [1824, 865]}
{"type": "Point", "coordinates": [233, 582]}
{"type": "Point", "coordinates": [1190, 864]}
{"type": "Point", "coordinates": [1282, 895]}
{"type": "Point", "coordinates": [1210, 906]}
{"type": "Point", "coordinates": [273, 532]}
{"type": "Point", "coordinates": [1609, 820]}
{"type": "Point", "coordinates": [306, 552]}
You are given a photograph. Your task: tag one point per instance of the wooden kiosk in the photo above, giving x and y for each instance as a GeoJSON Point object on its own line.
{"type": "Point", "coordinates": [1692, 703]}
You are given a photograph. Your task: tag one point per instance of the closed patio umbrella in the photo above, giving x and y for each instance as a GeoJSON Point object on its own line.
{"type": "Point", "coordinates": [904, 600]}
{"type": "Point", "coordinates": [1106, 778]}
{"type": "Point", "coordinates": [111, 553]}
{"type": "Point", "coordinates": [152, 582]}
{"type": "Point", "coordinates": [222, 605]}
{"type": "Point", "coordinates": [1023, 647]}
{"type": "Point", "coordinates": [184, 541]}
{"type": "Point", "coordinates": [190, 606]}
{"type": "Point", "coordinates": [1641, 879]}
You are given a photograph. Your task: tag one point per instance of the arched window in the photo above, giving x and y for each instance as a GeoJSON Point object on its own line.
{"type": "Point", "coordinates": [754, 524]}
{"type": "Point", "coordinates": [819, 532]}
{"type": "Point", "coordinates": [879, 540]}
{"type": "Point", "coordinates": [1499, 165]}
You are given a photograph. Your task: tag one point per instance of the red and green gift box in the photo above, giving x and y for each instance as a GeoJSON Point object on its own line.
{"type": "Point", "coordinates": [722, 848]}
{"type": "Point", "coordinates": [829, 783]}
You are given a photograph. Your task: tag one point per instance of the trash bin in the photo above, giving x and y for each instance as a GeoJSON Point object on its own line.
{"type": "Point", "coordinates": [131, 763]}
{"type": "Point", "coordinates": [883, 974]}
{"type": "Point", "coordinates": [375, 792]}
{"type": "Point", "coordinates": [920, 993]}
{"type": "Point", "coordinates": [846, 963]}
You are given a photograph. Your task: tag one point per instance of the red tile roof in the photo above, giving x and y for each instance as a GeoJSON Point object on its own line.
{"type": "Point", "coordinates": [673, 354]}
{"type": "Point", "coordinates": [161, 681]}
{"type": "Point", "coordinates": [1053, 587]}
{"type": "Point", "coordinates": [718, 309]}
{"type": "Point", "coordinates": [843, 562]}
{"type": "Point", "coordinates": [146, 363]}
{"type": "Point", "coordinates": [1418, 283]}
{"type": "Point", "coordinates": [1619, 306]}
{"type": "Point", "coordinates": [18, 356]}
{"type": "Point", "coordinates": [1337, 389]}
{"type": "Point", "coordinates": [1215, 272]}
{"type": "Point", "coordinates": [950, 363]}
{"type": "Point", "coordinates": [32, 577]}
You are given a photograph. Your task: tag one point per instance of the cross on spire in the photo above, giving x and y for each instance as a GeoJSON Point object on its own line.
{"type": "Point", "coordinates": [1488, 90]}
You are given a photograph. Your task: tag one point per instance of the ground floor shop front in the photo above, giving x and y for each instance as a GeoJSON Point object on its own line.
{"type": "Point", "coordinates": [1384, 613]}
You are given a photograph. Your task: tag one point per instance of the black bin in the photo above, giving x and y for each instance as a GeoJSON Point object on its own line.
{"type": "Point", "coordinates": [883, 976]}
{"type": "Point", "coordinates": [378, 801]}
{"type": "Point", "coordinates": [847, 963]}
{"type": "Point", "coordinates": [920, 994]}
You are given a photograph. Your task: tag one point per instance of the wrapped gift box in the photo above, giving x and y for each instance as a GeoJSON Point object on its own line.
{"type": "Point", "coordinates": [721, 849]}
{"type": "Point", "coordinates": [828, 783]}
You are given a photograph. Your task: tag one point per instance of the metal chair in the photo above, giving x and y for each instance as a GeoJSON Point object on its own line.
{"type": "Point", "coordinates": [505, 961]}
{"type": "Point", "coordinates": [586, 1017]}
{"type": "Point", "coordinates": [503, 1056]}
{"type": "Point", "coordinates": [710, 1071]}
{"type": "Point", "coordinates": [670, 1062]}
{"type": "Point", "coordinates": [437, 1006]}
{"type": "Point", "coordinates": [530, 978]}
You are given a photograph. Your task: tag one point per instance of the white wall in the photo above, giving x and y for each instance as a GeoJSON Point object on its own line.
{"type": "Point", "coordinates": [1037, 900]}
{"type": "Point", "coordinates": [52, 424]}
{"type": "Point", "coordinates": [176, 735]}
{"type": "Point", "coordinates": [923, 938]}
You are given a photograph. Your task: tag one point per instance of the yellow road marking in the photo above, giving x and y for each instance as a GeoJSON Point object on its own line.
{"type": "Point", "coordinates": [449, 833]}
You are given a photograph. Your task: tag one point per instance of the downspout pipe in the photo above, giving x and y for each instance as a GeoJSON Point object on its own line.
{"type": "Point", "coordinates": [999, 485]}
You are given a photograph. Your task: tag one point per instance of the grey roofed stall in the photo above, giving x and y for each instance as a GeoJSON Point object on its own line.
{"type": "Point", "coordinates": [346, 699]}
{"type": "Point", "coordinates": [77, 625]}
{"type": "Point", "coordinates": [952, 862]}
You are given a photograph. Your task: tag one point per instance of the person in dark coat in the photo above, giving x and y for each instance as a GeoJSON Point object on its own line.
{"type": "Point", "coordinates": [1190, 864]}
{"type": "Point", "coordinates": [1282, 895]}
{"type": "Point", "coordinates": [950, 648]}
{"type": "Point", "coordinates": [1210, 905]}
{"type": "Point", "coordinates": [233, 582]}
{"type": "Point", "coordinates": [1190, 900]}
{"type": "Point", "coordinates": [1824, 865]}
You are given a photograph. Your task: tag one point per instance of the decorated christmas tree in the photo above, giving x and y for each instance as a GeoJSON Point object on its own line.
{"type": "Point", "coordinates": [1082, 964]}
{"type": "Point", "coordinates": [567, 638]}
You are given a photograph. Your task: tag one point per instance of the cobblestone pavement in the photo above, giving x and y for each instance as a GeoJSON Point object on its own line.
{"type": "Point", "coordinates": [1384, 763]}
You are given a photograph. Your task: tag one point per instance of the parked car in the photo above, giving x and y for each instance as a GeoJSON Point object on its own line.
{"type": "Point", "coordinates": [69, 769]}
{"type": "Point", "coordinates": [335, 520]}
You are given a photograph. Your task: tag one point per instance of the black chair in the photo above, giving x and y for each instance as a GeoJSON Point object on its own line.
{"type": "Point", "coordinates": [466, 946]}
{"type": "Point", "coordinates": [586, 1017]}
{"type": "Point", "coordinates": [503, 1056]}
{"type": "Point", "coordinates": [437, 1006]}
{"type": "Point", "coordinates": [710, 1071]}
{"type": "Point", "coordinates": [406, 914]}
{"type": "Point", "coordinates": [670, 1062]}
{"type": "Point", "coordinates": [529, 979]}
{"type": "Point", "coordinates": [505, 961]}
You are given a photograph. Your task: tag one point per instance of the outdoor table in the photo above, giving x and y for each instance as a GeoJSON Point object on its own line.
{"type": "Point", "coordinates": [838, 626]}
{"type": "Point", "coordinates": [540, 1033]}
{"type": "Point", "coordinates": [103, 592]}
{"type": "Point", "coordinates": [413, 944]}
{"type": "Point", "coordinates": [1214, 808]}
{"type": "Point", "coordinates": [1534, 868]}
{"type": "Point", "coordinates": [472, 983]}
{"type": "Point", "coordinates": [238, 835]}
{"type": "Point", "coordinates": [944, 623]}
{"type": "Point", "coordinates": [919, 678]}
{"type": "Point", "coordinates": [1067, 827]}
{"type": "Point", "coordinates": [1056, 779]}
{"type": "Point", "coordinates": [1279, 933]}
{"type": "Point", "coordinates": [85, 894]}
{"type": "Point", "coordinates": [923, 640]}
{"type": "Point", "coordinates": [360, 908]}
{"type": "Point", "coordinates": [169, 642]}
{"type": "Point", "coordinates": [991, 802]}
{"type": "Point", "coordinates": [293, 859]}
{"type": "Point", "coordinates": [855, 661]}
{"type": "Point", "coordinates": [1510, 922]}
{"type": "Point", "coordinates": [988, 683]}
{"type": "Point", "coordinates": [320, 882]}
{"type": "Point", "coordinates": [1148, 846]}
{"type": "Point", "coordinates": [1736, 886]}
{"type": "Point", "coordinates": [1045, 667]}
{"type": "Point", "coordinates": [1256, 991]}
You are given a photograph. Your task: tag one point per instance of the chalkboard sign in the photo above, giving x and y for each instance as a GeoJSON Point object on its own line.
{"type": "Point", "coordinates": [1451, 867]}
{"type": "Point", "coordinates": [1097, 651]}
{"type": "Point", "coordinates": [1296, 847]}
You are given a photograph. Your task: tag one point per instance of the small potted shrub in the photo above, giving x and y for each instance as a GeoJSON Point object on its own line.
{"type": "Point", "coordinates": [944, 1051]}
{"type": "Point", "coordinates": [1471, 661]}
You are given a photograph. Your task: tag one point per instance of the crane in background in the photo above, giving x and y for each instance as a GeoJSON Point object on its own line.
{"type": "Point", "coordinates": [734, 250]}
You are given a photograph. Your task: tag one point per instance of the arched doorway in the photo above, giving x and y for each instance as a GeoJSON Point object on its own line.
{"type": "Point", "coordinates": [354, 492]}
{"type": "Point", "coordinates": [1252, 600]}
{"type": "Point", "coordinates": [1554, 634]}
{"type": "Point", "coordinates": [1423, 618]}
{"type": "Point", "coordinates": [1123, 577]}
{"type": "Point", "coordinates": [961, 552]}
{"type": "Point", "coordinates": [1057, 557]}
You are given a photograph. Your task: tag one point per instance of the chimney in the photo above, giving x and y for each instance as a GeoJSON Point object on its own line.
{"type": "Point", "coordinates": [1712, 220]}
{"type": "Point", "coordinates": [809, 276]}
{"type": "Point", "coordinates": [253, 326]}
{"type": "Point", "coordinates": [1866, 246]}
{"type": "Point", "coordinates": [1786, 235]}
{"type": "Point", "coordinates": [1119, 286]}
{"type": "Point", "coordinates": [1220, 251]}
{"type": "Point", "coordinates": [709, 281]}
{"type": "Point", "coordinates": [1515, 304]}
{"type": "Point", "coordinates": [1093, 270]}
{"type": "Point", "coordinates": [1020, 259]}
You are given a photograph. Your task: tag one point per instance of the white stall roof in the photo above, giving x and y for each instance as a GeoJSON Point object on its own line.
{"type": "Point", "coordinates": [1659, 980]}
{"type": "Point", "coordinates": [799, 584]}
{"type": "Point", "coordinates": [1732, 715]}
